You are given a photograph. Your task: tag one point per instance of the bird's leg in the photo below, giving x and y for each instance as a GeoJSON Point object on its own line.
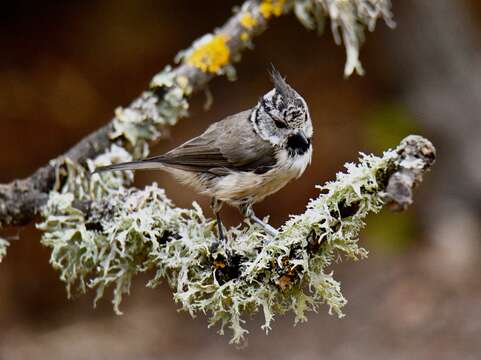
{"type": "Point", "coordinates": [219, 227]}
{"type": "Point", "coordinates": [248, 212]}
{"type": "Point", "coordinates": [216, 205]}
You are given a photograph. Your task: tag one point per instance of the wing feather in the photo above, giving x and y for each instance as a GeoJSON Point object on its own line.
{"type": "Point", "coordinates": [230, 144]}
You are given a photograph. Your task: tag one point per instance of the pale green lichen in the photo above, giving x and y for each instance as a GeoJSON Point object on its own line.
{"type": "Point", "coordinates": [349, 18]}
{"type": "Point", "coordinates": [144, 120]}
{"type": "Point", "coordinates": [129, 231]}
{"type": "Point", "coordinates": [3, 248]}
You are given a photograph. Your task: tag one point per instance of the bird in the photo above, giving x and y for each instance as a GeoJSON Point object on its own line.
{"type": "Point", "coordinates": [245, 157]}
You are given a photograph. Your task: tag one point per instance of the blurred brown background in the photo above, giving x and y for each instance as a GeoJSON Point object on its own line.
{"type": "Point", "coordinates": [64, 67]}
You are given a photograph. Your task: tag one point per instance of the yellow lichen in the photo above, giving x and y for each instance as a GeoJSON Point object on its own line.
{"type": "Point", "coordinates": [269, 8]}
{"type": "Point", "coordinates": [244, 36]}
{"type": "Point", "coordinates": [211, 56]}
{"type": "Point", "coordinates": [248, 21]}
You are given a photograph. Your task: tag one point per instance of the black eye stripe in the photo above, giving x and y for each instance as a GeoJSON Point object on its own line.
{"type": "Point", "coordinates": [279, 124]}
{"type": "Point", "coordinates": [265, 106]}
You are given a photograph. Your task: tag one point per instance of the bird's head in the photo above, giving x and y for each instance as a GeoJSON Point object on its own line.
{"type": "Point", "coordinates": [282, 113]}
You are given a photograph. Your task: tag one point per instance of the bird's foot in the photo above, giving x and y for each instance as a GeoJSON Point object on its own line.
{"type": "Point", "coordinates": [214, 246]}
{"type": "Point", "coordinates": [248, 212]}
{"type": "Point", "coordinates": [267, 228]}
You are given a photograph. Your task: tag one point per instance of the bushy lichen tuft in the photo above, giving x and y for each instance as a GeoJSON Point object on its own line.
{"type": "Point", "coordinates": [3, 248]}
{"type": "Point", "coordinates": [348, 18]}
{"type": "Point", "coordinates": [122, 232]}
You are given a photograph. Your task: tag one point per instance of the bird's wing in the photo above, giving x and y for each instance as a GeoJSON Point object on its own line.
{"type": "Point", "coordinates": [230, 144]}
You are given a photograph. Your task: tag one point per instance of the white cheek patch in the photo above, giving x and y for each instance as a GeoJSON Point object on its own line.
{"type": "Point", "coordinates": [300, 163]}
{"type": "Point", "coordinates": [295, 166]}
{"type": "Point", "coordinates": [263, 126]}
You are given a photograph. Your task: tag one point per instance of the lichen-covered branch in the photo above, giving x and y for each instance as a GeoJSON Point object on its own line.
{"type": "Point", "coordinates": [122, 232]}
{"type": "Point", "coordinates": [147, 117]}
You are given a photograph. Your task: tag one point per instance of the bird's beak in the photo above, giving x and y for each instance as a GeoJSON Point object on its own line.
{"type": "Point", "coordinates": [304, 138]}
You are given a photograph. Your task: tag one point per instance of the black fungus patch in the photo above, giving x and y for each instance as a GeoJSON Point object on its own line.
{"type": "Point", "coordinates": [94, 226]}
{"type": "Point", "coordinates": [167, 236]}
{"type": "Point", "coordinates": [348, 210]}
{"type": "Point", "coordinates": [227, 269]}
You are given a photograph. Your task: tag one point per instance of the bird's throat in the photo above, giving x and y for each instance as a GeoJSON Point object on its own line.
{"type": "Point", "coordinates": [297, 144]}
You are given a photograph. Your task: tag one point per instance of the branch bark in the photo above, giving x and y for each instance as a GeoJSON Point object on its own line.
{"type": "Point", "coordinates": [435, 63]}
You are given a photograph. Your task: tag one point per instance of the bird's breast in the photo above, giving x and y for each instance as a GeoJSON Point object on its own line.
{"type": "Point", "coordinates": [238, 187]}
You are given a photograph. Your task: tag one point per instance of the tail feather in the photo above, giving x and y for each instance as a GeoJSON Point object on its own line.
{"type": "Point", "coordinates": [132, 165]}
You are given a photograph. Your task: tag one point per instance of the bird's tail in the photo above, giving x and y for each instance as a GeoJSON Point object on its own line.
{"type": "Point", "coordinates": [132, 165]}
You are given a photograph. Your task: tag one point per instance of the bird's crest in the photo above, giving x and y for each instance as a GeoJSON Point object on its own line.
{"type": "Point", "coordinates": [280, 84]}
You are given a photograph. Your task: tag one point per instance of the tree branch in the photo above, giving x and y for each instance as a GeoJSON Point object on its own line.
{"type": "Point", "coordinates": [129, 231]}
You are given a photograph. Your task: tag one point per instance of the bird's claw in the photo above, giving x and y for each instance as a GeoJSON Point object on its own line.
{"type": "Point", "coordinates": [270, 230]}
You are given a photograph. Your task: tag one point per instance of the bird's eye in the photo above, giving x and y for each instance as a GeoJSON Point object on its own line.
{"type": "Point", "coordinates": [280, 124]}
